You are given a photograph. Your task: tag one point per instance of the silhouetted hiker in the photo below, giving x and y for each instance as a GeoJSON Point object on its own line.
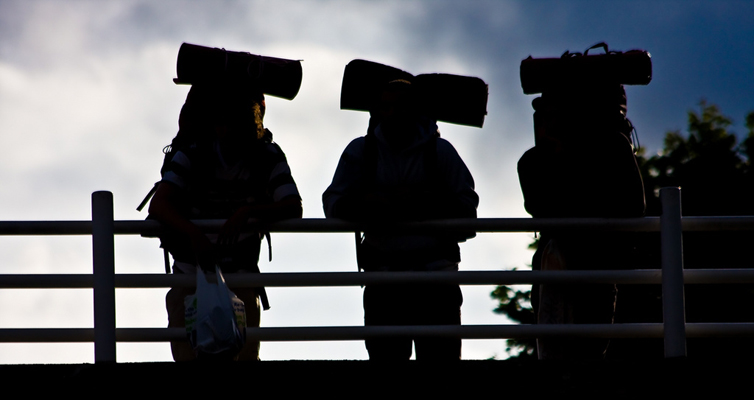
{"type": "Point", "coordinates": [582, 166]}
{"type": "Point", "coordinates": [402, 171]}
{"type": "Point", "coordinates": [225, 167]}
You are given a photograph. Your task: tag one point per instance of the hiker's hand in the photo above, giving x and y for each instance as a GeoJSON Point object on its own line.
{"type": "Point", "coordinates": [231, 231]}
{"type": "Point", "coordinates": [204, 249]}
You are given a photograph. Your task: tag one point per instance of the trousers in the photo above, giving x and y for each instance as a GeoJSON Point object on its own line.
{"type": "Point", "coordinates": [413, 305]}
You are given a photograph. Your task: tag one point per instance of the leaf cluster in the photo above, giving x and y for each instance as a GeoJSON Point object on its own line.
{"type": "Point", "coordinates": [516, 305]}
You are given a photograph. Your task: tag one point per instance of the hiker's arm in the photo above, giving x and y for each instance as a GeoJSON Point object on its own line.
{"type": "Point", "coordinates": [459, 200]}
{"type": "Point", "coordinates": [288, 207]}
{"type": "Point", "coordinates": [344, 198]}
{"type": "Point", "coordinates": [165, 207]}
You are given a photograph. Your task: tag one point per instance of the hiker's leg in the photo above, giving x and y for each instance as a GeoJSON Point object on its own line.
{"type": "Point", "coordinates": [181, 349]}
{"type": "Point", "coordinates": [250, 298]}
{"type": "Point", "coordinates": [437, 305]}
{"type": "Point", "coordinates": [384, 305]}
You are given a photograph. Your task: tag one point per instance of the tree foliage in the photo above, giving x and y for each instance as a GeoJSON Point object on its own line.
{"type": "Point", "coordinates": [709, 164]}
{"type": "Point", "coordinates": [716, 174]}
{"type": "Point", "coordinates": [516, 305]}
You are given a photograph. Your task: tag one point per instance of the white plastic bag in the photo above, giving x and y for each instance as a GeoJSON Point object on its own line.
{"type": "Point", "coordinates": [215, 318]}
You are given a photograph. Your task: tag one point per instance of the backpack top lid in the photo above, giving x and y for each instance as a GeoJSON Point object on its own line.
{"type": "Point", "coordinates": [449, 98]}
{"type": "Point", "coordinates": [633, 67]}
{"type": "Point", "coordinates": [272, 76]}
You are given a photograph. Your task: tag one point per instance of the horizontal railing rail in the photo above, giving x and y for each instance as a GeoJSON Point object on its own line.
{"type": "Point", "coordinates": [332, 279]}
{"type": "Point", "coordinates": [671, 276]}
{"type": "Point", "coordinates": [323, 225]}
{"type": "Point", "coordinates": [329, 333]}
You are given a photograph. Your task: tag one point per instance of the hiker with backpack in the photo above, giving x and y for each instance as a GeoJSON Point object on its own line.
{"type": "Point", "coordinates": [401, 171]}
{"type": "Point", "coordinates": [583, 165]}
{"type": "Point", "coordinates": [222, 164]}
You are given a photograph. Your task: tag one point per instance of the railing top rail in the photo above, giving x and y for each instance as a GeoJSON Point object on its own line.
{"type": "Point", "coordinates": [331, 225]}
{"type": "Point", "coordinates": [327, 225]}
{"type": "Point", "coordinates": [26, 228]}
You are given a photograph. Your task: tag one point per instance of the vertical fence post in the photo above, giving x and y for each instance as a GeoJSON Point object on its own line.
{"type": "Point", "coordinates": [673, 302]}
{"type": "Point", "coordinates": [103, 254]}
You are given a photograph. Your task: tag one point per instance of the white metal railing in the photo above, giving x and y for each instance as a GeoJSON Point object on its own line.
{"type": "Point", "coordinates": [672, 277]}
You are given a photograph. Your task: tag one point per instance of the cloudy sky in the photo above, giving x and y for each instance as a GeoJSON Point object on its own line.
{"type": "Point", "coordinates": [87, 103]}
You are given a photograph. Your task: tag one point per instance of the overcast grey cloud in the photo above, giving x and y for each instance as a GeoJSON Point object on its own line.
{"type": "Point", "coordinates": [87, 103]}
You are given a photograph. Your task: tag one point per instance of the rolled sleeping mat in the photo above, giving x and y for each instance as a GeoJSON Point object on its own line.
{"type": "Point", "coordinates": [448, 98]}
{"type": "Point", "coordinates": [633, 67]}
{"type": "Point", "coordinates": [277, 77]}
{"type": "Point", "coordinates": [455, 99]}
{"type": "Point", "coordinates": [363, 81]}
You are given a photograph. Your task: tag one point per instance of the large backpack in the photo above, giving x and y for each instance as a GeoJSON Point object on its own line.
{"type": "Point", "coordinates": [205, 68]}
{"type": "Point", "coordinates": [209, 67]}
{"type": "Point", "coordinates": [583, 163]}
{"type": "Point", "coordinates": [438, 93]}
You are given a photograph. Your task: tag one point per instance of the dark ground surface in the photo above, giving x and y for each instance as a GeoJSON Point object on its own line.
{"type": "Point", "coordinates": [364, 379]}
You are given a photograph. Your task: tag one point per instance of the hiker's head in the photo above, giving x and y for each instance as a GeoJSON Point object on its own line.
{"type": "Point", "coordinates": [225, 109]}
{"type": "Point", "coordinates": [397, 100]}
{"type": "Point", "coordinates": [397, 107]}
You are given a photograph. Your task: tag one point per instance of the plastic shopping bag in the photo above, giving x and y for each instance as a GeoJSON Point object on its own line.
{"type": "Point", "coordinates": [215, 319]}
